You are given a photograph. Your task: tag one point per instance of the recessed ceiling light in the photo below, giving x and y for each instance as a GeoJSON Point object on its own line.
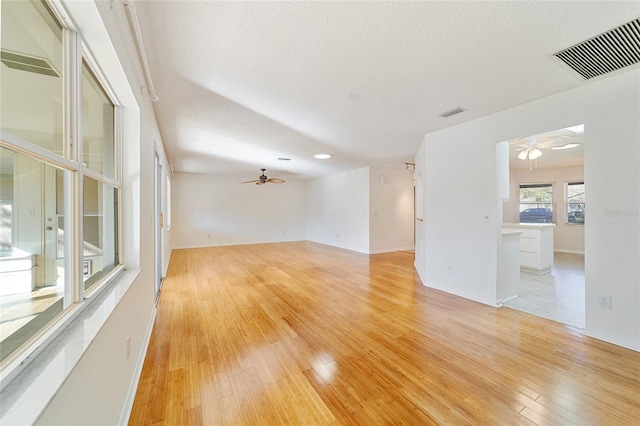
{"type": "Point", "coordinates": [567, 146]}
{"type": "Point", "coordinates": [354, 96]}
{"type": "Point", "coordinates": [323, 156]}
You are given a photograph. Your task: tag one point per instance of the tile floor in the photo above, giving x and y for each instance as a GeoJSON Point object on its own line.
{"type": "Point", "coordinates": [558, 294]}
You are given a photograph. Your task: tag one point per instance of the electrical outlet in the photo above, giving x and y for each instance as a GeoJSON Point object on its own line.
{"type": "Point", "coordinates": [604, 301]}
{"type": "Point", "coordinates": [450, 269]}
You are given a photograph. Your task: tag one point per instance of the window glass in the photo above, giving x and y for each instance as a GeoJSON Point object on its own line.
{"type": "Point", "coordinates": [97, 126]}
{"type": "Point", "coordinates": [536, 203]}
{"type": "Point", "coordinates": [575, 202]}
{"type": "Point", "coordinates": [31, 273]}
{"type": "Point", "coordinates": [31, 80]}
{"type": "Point", "coordinates": [99, 230]}
{"type": "Point", "coordinates": [36, 247]}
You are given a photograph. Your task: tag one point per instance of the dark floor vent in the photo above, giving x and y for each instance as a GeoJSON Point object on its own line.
{"type": "Point", "coordinates": [22, 62]}
{"type": "Point", "coordinates": [607, 52]}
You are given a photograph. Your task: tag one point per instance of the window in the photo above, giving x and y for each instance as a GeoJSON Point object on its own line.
{"type": "Point", "coordinates": [575, 203]}
{"type": "Point", "coordinates": [536, 203]}
{"type": "Point", "coordinates": [48, 198]}
{"type": "Point", "coordinates": [32, 74]}
{"type": "Point", "coordinates": [100, 195]}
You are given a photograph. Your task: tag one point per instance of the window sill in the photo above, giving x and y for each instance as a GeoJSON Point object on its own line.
{"type": "Point", "coordinates": [28, 394]}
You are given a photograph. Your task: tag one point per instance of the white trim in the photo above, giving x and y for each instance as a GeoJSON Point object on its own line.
{"type": "Point", "coordinates": [569, 251]}
{"type": "Point", "coordinates": [14, 143]}
{"type": "Point", "coordinates": [614, 340]}
{"type": "Point", "coordinates": [500, 302]}
{"type": "Point", "coordinates": [391, 250]}
{"type": "Point", "coordinates": [133, 386]}
{"type": "Point", "coordinates": [462, 294]}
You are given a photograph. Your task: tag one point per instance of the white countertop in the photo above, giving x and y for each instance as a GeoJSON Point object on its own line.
{"type": "Point", "coordinates": [528, 225]}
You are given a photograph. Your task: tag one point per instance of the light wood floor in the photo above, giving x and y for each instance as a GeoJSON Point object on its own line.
{"type": "Point", "coordinates": [301, 333]}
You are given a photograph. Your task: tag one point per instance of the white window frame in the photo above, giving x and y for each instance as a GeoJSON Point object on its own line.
{"type": "Point", "coordinates": [74, 54]}
{"type": "Point", "coordinates": [567, 203]}
{"type": "Point", "coordinates": [540, 184]}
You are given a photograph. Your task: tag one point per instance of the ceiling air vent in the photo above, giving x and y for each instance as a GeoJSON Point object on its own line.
{"type": "Point", "coordinates": [607, 52]}
{"type": "Point", "coordinates": [22, 62]}
{"type": "Point", "coordinates": [451, 112]}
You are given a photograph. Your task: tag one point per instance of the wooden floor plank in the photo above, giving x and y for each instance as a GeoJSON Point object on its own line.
{"type": "Point", "coordinates": [302, 333]}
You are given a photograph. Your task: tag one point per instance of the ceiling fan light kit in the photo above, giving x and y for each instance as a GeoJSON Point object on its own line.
{"type": "Point", "coordinates": [262, 179]}
{"type": "Point", "coordinates": [530, 154]}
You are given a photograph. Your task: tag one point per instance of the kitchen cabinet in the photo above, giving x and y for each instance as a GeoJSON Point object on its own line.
{"type": "Point", "coordinates": [536, 245]}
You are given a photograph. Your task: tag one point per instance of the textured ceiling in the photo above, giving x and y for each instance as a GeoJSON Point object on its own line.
{"type": "Point", "coordinates": [243, 83]}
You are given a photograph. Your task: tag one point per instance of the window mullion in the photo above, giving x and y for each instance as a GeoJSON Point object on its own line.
{"type": "Point", "coordinates": [73, 138]}
{"type": "Point", "coordinates": [101, 178]}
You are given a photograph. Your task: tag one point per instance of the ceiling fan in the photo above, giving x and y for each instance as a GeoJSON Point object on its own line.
{"type": "Point", "coordinates": [262, 179]}
{"type": "Point", "coordinates": [531, 147]}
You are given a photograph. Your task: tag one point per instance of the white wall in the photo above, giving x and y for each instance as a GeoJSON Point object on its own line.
{"type": "Point", "coordinates": [460, 188]}
{"type": "Point", "coordinates": [460, 185]}
{"type": "Point", "coordinates": [338, 210]}
{"type": "Point", "coordinates": [566, 237]}
{"type": "Point", "coordinates": [216, 211]}
{"type": "Point", "coordinates": [101, 386]}
{"type": "Point", "coordinates": [390, 210]}
{"type": "Point", "coordinates": [612, 222]}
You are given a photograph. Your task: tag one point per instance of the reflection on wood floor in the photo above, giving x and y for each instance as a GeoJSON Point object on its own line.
{"type": "Point", "coordinates": [302, 333]}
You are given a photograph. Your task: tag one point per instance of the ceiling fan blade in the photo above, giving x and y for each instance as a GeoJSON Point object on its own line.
{"type": "Point", "coordinates": [275, 180]}
{"type": "Point", "coordinates": [260, 182]}
{"type": "Point", "coordinates": [556, 140]}
{"type": "Point", "coordinates": [251, 181]}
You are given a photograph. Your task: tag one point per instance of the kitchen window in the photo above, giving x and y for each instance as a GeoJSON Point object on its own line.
{"type": "Point", "coordinates": [536, 203]}
{"type": "Point", "coordinates": [575, 203]}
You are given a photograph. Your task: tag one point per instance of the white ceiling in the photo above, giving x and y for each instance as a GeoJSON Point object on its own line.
{"type": "Point", "coordinates": [550, 158]}
{"type": "Point", "coordinates": [243, 83]}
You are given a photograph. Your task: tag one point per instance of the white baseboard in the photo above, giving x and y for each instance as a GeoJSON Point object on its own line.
{"type": "Point", "coordinates": [462, 294]}
{"type": "Point", "coordinates": [133, 386]}
{"type": "Point", "coordinates": [634, 346]}
{"type": "Point", "coordinates": [569, 251]}
{"type": "Point", "coordinates": [391, 250]}
{"type": "Point", "coordinates": [501, 302]}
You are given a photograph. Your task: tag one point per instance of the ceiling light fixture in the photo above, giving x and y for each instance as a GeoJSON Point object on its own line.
{"type": "Point", "coordinates": [323, 156]}
{"type": "Point", "coordinates": [530, 154]}
{"type": "Point", "coordinates": [567, 146]}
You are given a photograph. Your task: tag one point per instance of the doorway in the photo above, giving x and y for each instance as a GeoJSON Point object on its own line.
{"type": "Point", "coordinates": [546, 184]}
{"type": "Point", "coordinates": [159, 226]}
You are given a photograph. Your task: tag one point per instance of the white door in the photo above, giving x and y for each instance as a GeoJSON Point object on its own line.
{"type": "Point", "coordinates": [159, 225]}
